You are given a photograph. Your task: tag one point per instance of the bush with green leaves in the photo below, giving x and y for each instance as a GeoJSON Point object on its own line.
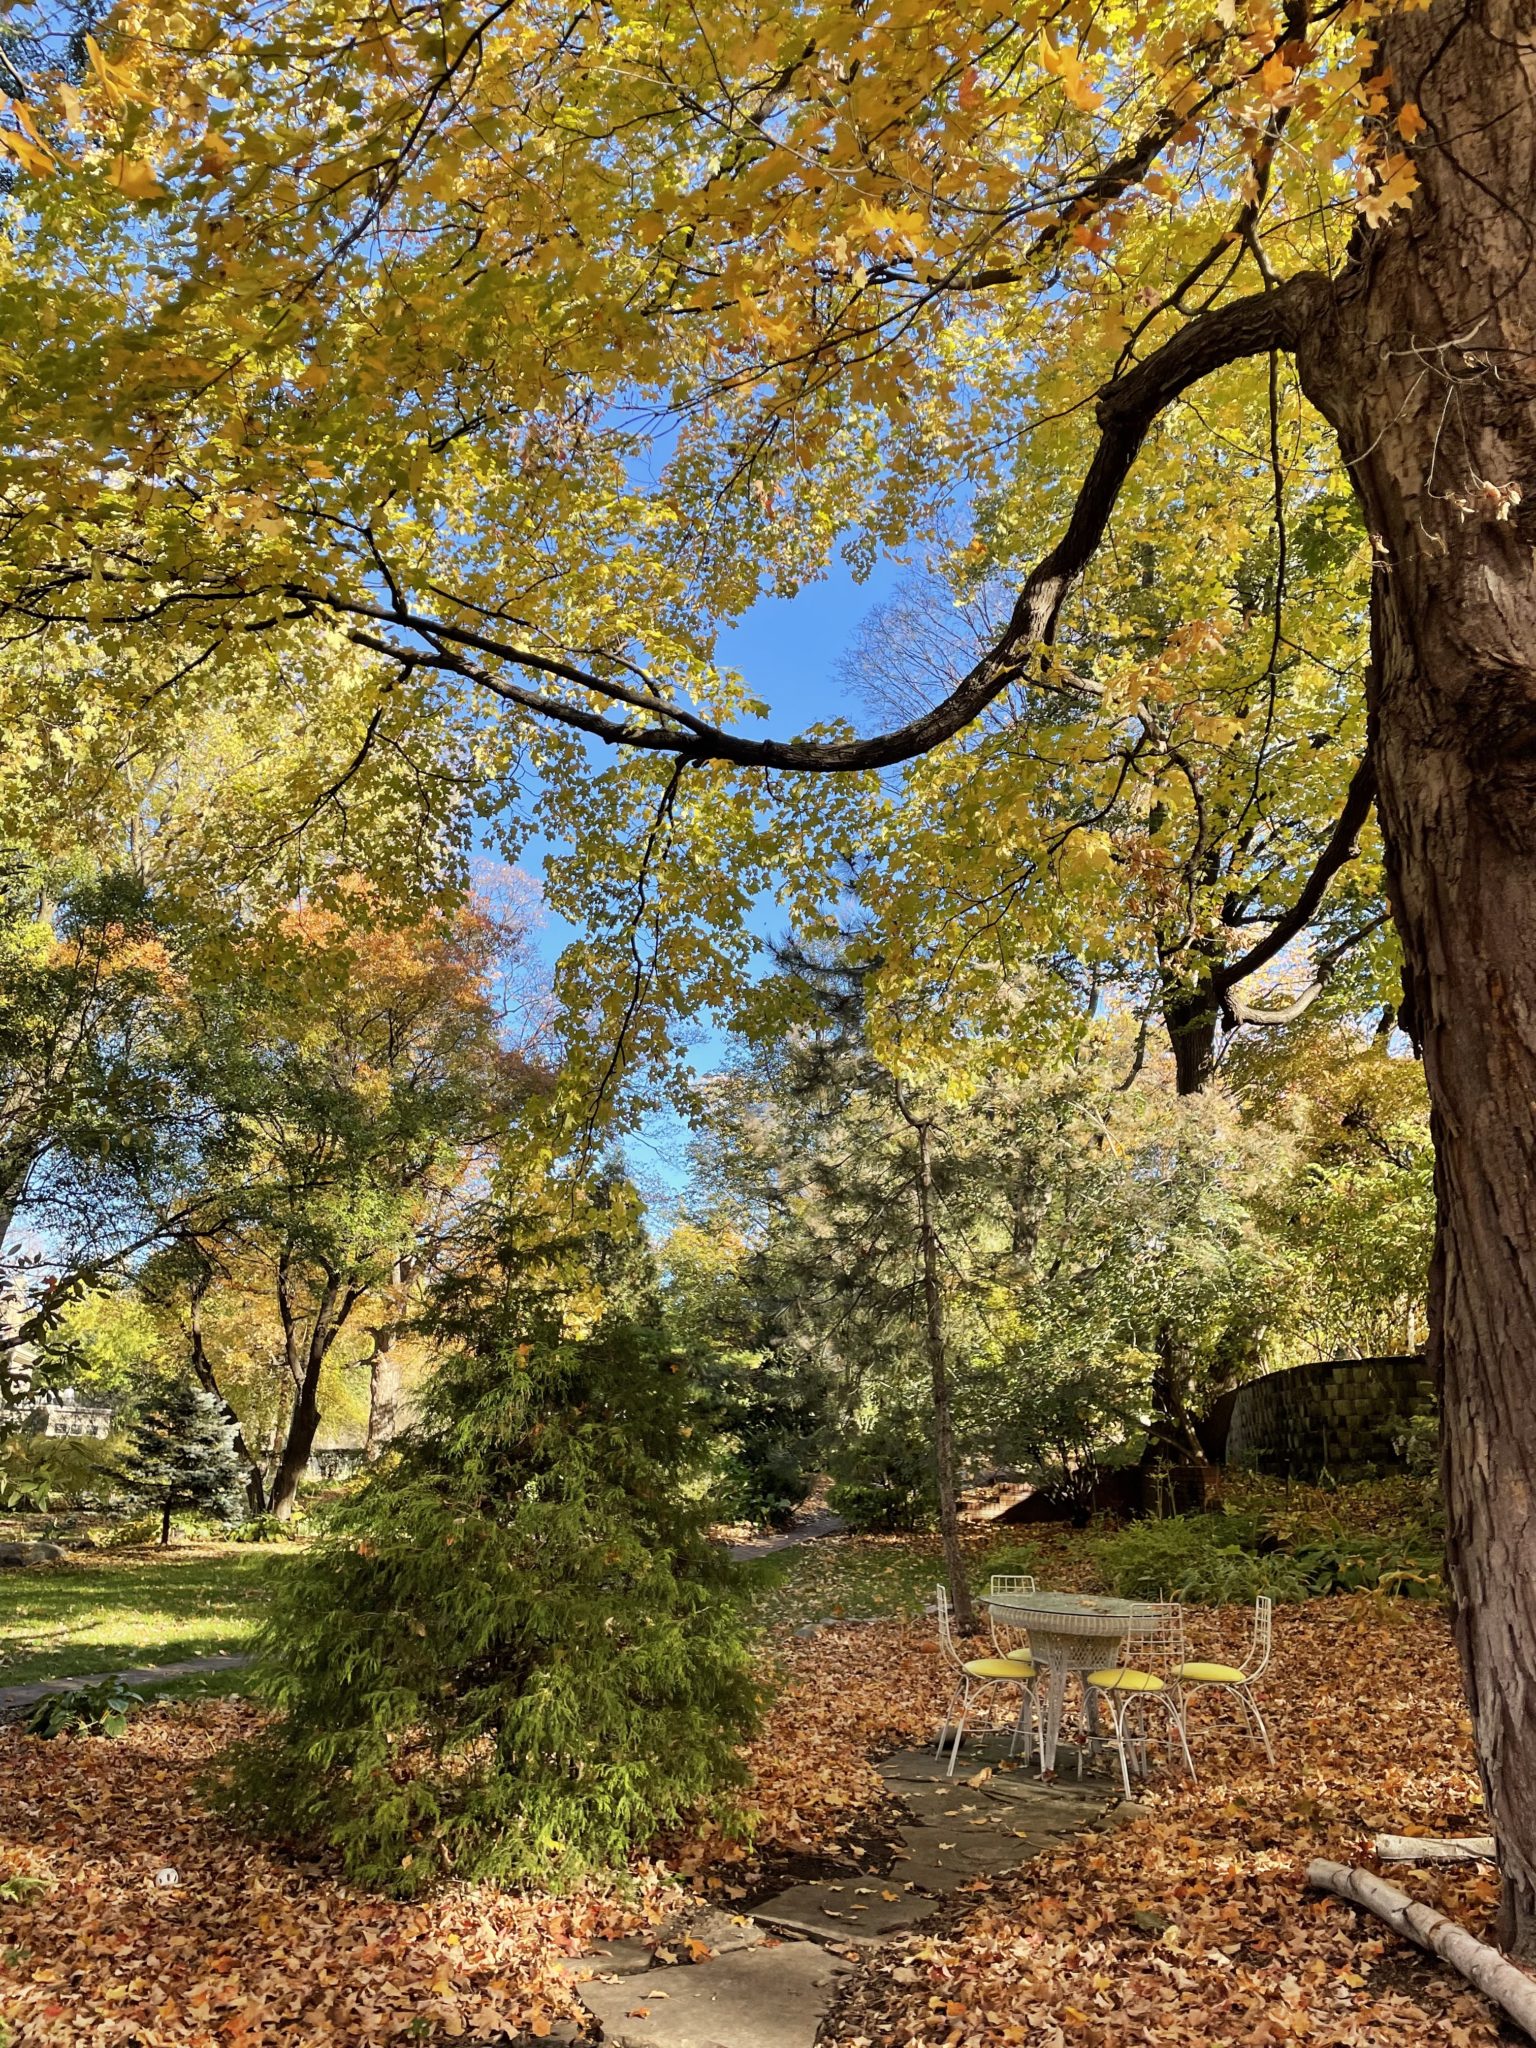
{"type": "Point", "coordinates": [1191, 1558]}
{"type": "Point", "coordinates": [764, 1418]}
{"type": "Point", "coordinates": [1409, 1565]}
{"type": "Point", "coordinates": [265, 1529]}
{"type": "Point", "coordinates": [1211, 1559]}
{"type": "Point", "coordinates": [514, 1654]}
{"type": "Point", "coordinates": [101, 1709]}
{"type": "Point", "coordinates": [883, 1476]}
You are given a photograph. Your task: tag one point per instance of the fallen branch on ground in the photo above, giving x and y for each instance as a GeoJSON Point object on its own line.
{"type": "Point", "coordinates": [1437, 1849]}
{"type": "Point", "coordinates": [1494, 1975]}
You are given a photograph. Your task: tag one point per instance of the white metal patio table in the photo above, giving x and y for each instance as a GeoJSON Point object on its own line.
{"type": "Point", "coordinates": [1069, 1632]}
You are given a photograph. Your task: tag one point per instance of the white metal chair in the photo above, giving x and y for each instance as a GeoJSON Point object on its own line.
{"type": "Point", "coordinates": [1238, 1680]}
{"type": "Point", "coordinates": [1002, 1583]}
{"type": "Point", "coordinates": [975, 1677]}
{"type": "Point", "coordinates": [1126, 1691]}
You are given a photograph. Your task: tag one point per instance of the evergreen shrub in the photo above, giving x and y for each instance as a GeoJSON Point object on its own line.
{"type": "Point", "coordinates": [513, 1654]}
{"type": "Point", "coordinates": [180, 1456]}
{"type": "Point", "coordinates": [883, 1477]}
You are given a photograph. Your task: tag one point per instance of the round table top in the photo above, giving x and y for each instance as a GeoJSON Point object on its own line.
{"type": "Point", "coordinates": [1073, 1614]}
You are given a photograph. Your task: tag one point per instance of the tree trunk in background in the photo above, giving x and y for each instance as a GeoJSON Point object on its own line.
{"type": "Point", "coordinates": [1192, 1023]}
{"type": "Point", "coordinates": [938, 1370]}
{"type": "Point", "coordinates": [1171, 1434]}
{"type": "Point", "coordinates": [384, 1375]}
{"type": "Point", "coordinates": [304, 1425]}
{"type": "Point", "coordinates": [303, 1428]}
{"type": "Point", "coordinates": [202, 1367]}
{"type": "Point", "coordinates": [1426, 367]}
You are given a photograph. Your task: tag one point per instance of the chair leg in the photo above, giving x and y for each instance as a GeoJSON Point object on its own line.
{"type": "Point", "coordinates": [944, 1725]}
{"type": "Point", "coordinates": [1117, 1713]}
{"type": "Point", "coordinates": [965, 1709]}
{"type": "Point", "coordinates": [1176, 1716]}
{"type": "Point", "coordinates": [1250, 1707]}
{"type": "Point", "coordinates": [1025, 1719]}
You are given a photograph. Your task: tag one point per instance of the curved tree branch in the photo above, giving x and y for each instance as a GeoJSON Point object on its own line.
{"type": "Point", "coordinates": [1127, 408]}
{"type": "Point", "coordinates": [1340, 848]}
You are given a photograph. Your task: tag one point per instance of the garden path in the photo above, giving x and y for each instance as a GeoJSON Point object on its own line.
{"type": "Point", "coordinates": [16, 1700]}
{"type": "Point", "coordinates": [768, 1979]}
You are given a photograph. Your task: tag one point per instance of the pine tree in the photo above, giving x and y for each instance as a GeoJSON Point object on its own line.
{"type": "Point", "coordinates": [181, 1456]}
{"type": "Point", "coordinates": [515, 1654]}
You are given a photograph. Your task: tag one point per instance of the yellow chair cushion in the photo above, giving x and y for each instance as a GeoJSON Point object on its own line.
{"type": "Point", "coordinates": [1116, 1680]}
{"type": "Point", "coordinates": [1212, 1674]}
{"type": "Point", "coordinates": [1000, 1667]}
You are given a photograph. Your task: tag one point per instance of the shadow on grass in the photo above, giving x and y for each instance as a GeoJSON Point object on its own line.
{"type": "Point", "coordinates": [112, 1613]}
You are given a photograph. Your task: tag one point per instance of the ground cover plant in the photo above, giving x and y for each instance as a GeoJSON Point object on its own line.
{"type": "Point", "coordinates": [108, 1611]}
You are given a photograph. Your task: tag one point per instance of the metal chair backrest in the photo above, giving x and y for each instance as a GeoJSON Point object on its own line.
{"type": "Point", "coordinates": [1261, 1639]}
{"type": "Point", "coordinates": [1012, 1582]}
{"type": "Point", "coordinates": [1160, 1649]}
{"type": "Point", "coordinates": [946, 1629]}
{"type": "Point", "coordinates": [1005, 1636]}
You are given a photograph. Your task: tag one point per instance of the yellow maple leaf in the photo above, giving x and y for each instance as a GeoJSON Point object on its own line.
{"type": "Point", "coordinates": [134, 178]}
{"type": "Point", "coordinates": [1410, 122]}
{"type": "Point", "coordinates": [215, 154]}
{"type": "Point", "coordinates": [1276, 79]}
{"type": "Point", "coordinates": [885, 220]}
{"type": "Point", "coordinates": [1397, 183]}
{"type": "Point", "coordinates": [1066, 65]}
{"type": "Point", "coordinates": [33, 157]}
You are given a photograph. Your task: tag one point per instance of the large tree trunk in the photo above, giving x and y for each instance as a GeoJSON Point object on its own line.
{"type": "Point", "coordinates": [1192, 1022]}
{"type": "Point", "coordinates": [938, 1372]}
{"type": "Point", "coordinates": [334, 1307]}
{"type": "Point", "coordinates": [303, 1428]}
{"type": "Point", "coordinates": [1426, 367]}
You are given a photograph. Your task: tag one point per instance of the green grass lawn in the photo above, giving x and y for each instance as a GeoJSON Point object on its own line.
{"type": "Point", "coordinates": [106, 1614]}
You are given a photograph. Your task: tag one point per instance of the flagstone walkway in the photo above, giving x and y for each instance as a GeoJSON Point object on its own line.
{"type": "Point", "coordinates": [768, 1979]}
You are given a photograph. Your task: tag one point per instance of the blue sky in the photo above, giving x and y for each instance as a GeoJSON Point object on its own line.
{"type": "Point", "coordinates": [788, 649]}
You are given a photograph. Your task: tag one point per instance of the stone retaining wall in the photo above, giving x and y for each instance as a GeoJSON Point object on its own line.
{"type": "Point", "coordinates": [1336, 1415]}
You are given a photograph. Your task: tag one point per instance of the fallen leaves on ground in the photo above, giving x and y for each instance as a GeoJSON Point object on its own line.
{"type": "Point", "coordinates": [1187, 1928]}
{"type": "Point", "coordinates": [1192, 1926]}
{"type": "Point", "coordinates": [245, 1950]}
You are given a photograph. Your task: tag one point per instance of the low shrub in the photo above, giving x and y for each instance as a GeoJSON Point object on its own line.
{"type": "Point", "coordinates": [88, 1710]}
{"type": "Point", "coordinates": [262, 1529]}
{"type": "Point", "coordinates": [1212, 1559]}
{"type": "Point", "coordinates": [1191, 1558]}
{"type": "Point", "coordinates": [883, 1478]}
{"type": "Point", "coordinates": [1409, 1566]}
{"type": "Point", "coordinates": [762, 1483]}
{"type": "Point", "coordinates": [514, 1654]}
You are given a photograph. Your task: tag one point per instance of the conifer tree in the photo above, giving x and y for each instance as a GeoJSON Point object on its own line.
{"type": "Point", "coordinates": [181, 1456]}
{"type": "Point", "coordinates": [516, 1654]}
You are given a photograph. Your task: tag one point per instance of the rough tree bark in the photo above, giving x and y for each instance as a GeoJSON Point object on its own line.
{"type": "Point", "coordinates": [938, 1371]}
{"type": "Point", "coordinates": [384, 1389]}
{"type": "Point", "coordinates": [1425, 364]}
{"type": "Point", "coordinates": [207, 1379]}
